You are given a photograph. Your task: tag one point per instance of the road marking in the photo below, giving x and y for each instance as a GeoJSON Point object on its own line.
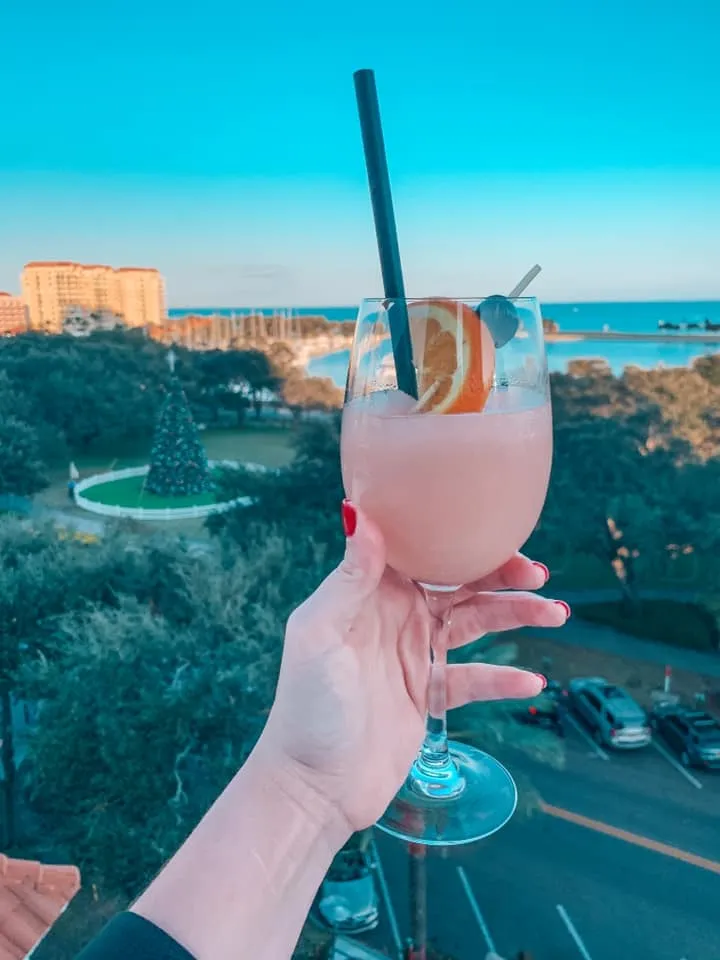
{"type": "Point", "coordinates": [573, 932]}
{"type": "Point", "coordinates": [678, 766]}
{"type": "Point", "coordinates": [676, 853]}
{"type": "Point", "coordinates": [583, 733]}
{"type": "Point", "coordinates": [394, 928]}
{"type": "Point", "coordinates": [476, 910]}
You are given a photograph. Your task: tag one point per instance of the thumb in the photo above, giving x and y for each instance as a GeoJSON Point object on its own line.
{"type": "Point", "coordinates": [361, 569]}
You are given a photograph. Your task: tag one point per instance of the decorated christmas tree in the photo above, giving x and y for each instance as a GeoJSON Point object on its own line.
{"type": "Point", "coordinates": [178, 464]}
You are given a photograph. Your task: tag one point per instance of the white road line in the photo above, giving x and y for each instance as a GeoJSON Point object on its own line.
{"type": "Point", "coordinates": [476, 910]}
{"type": "Point", "coordinates": [583, 733]}
{"type": "Point", "coordinates": [678, 766]}
{"type": "Point", "coordinates": [573, 932]}
{"type": "Point", "coordinates": [394, 928]}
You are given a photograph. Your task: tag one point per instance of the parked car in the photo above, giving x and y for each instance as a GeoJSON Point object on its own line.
{"type": "Point", "coordinates": [612, 715]}
{"type": "Point", "coordinates": [693, 734]}
{"type": "Point", "coordinates": [347, 900]}
{"type": "Point", "coordinates": [346, 949]}
{"type": "Point", "coordinates": [547, 710]}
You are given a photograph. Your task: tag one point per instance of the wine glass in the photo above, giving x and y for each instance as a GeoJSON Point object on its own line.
{"type": "Point", "coordinates": [446, 445]}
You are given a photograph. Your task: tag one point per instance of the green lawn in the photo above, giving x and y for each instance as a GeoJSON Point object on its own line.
{"type": "Point", "coordinates": [268, 446]}
{"type": "Point", "coordinates": [261, 443]}
{"type": "Point", "coordinates": [130, 493]}
{"type": "Point", "coordinates": [668, 621]}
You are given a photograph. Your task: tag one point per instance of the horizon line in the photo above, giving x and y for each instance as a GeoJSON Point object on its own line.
{"type": "Point", "coordinates": [354, 304]}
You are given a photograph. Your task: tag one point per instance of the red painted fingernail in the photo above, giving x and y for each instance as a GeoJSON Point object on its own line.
{"type": "Point", "coordinates": [349, 518]}
{"type": "Point", "coordinates": [541, 566]}
{"type": "Point", "coordinates": [566, 608]}
{"type": "Point", "coordinates": [540, 676]}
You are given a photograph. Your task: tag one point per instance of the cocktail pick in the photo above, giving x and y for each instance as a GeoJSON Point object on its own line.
{"type": "Point", "coordinates": [500, 315]}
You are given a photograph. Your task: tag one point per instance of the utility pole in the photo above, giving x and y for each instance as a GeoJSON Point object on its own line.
{"type": "Point", "coordinates": [417, 948]}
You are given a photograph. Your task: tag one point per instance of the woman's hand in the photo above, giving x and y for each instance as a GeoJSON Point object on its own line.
{"type": "Point", "coordinates": [345, 727]}
{"type": "Point", "coordinates": [349, 712]}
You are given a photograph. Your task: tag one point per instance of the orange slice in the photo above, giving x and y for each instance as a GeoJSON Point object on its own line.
{"type": "Point", "coordinates": [454, 354]}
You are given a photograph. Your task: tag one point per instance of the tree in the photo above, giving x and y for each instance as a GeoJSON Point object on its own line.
{"type": "Point", "coordinates": [283, 360]}
{"type": "Point", "coordinates": [235, 379]}
{"type": "Point", "coordinates": [311, 393]}
{"type": "Point", "coordinates": [261, 377]}
{"type": "Point", "coordinates": [94, 390]}
{"type": "Point", "coordinates": [634, 480]}
{"type": "Point", "coordinates": [709, 368]}
{"type": "Point", "coordinates": [189, 669]}
{"type": "Point", "coordinates": [301, 501]}
{"type": "Point", "coordinates": [22, 471]}
{"type": "Point", "coordinates": [178, 464]}
{"type": "Point", "coordinates": [41, 578]}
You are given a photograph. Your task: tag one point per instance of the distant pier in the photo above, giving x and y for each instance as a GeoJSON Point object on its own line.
{"type": "Point", "coordinates": [574, 336]}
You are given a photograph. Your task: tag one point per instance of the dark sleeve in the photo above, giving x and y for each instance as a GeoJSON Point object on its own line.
{"type": "Point", "coordinates": [129, 935]}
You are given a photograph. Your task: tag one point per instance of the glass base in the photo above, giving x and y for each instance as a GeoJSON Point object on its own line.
{"type": "Point", "coordinates": [486, 803]}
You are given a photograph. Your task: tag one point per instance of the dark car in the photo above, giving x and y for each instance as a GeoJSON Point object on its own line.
{"type": "Point", "coordinates": [693, 734]}
{"type": "Point", "coordinates": [546, 710]}
{"type": "Point", "coordinates": [347, 900]}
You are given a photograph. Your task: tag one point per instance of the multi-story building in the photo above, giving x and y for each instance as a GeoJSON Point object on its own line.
{"type": "Point", "coordinates": [142, 296]}
{"type": "Point", "coordinates": [54, 290]}
{"type": "Point", "coordinates": [13, 314]}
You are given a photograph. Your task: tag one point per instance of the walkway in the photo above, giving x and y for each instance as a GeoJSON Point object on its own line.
{"type": "Point", "coordinates": [608, 640]}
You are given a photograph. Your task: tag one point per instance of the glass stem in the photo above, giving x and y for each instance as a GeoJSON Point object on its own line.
{"type": "Point", "coordinates": [434, 773]}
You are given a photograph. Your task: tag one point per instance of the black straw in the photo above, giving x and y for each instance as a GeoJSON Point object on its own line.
{"type": "Point", "coordinates": [385, 229]}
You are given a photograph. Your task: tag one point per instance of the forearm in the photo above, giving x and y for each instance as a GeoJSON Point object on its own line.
{"type": "Point", "coordinates": [243, 882]}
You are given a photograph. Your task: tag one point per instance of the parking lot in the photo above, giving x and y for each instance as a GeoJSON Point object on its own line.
{"type": "Point", "coordinates": [622, 862]}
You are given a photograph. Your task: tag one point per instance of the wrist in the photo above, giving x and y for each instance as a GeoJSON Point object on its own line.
{"type": "Point", "coordinates": [245, 879]}
{"type": "Point", "coordinates": [295, 787]}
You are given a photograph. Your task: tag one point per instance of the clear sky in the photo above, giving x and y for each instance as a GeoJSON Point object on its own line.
{"type": "Point", "coordinates": [219, 142]}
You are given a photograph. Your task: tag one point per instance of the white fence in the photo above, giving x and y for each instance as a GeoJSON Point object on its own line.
{"type": "Point", "coordinates": [148, 513]}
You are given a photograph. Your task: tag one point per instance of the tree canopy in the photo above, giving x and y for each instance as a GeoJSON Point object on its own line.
{"type": "Point", "coordinates": [155, 667]}
{"type": "Point", "coordinates": [153, 663]}
{"type": "Point", "coordinates": [635, 474]}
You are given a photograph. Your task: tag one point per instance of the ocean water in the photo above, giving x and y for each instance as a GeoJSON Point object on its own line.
{"type": "Point", "coordinates": [636, 317]}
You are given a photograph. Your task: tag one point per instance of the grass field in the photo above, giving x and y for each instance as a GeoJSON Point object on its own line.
{"type": "Point", "coordinates": [267, 445]}
{"type": "Point", "coordinates": [130, 492]}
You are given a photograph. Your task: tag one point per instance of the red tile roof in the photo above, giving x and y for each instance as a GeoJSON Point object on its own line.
{"type": "Point", "coordinates": [32, 897]}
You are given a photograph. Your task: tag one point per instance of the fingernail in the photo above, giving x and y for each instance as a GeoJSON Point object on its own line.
{"type": "Point", "coordinates": [541, 566]}
{"type": "Point", "coordinates": [349, 518]}
{"type": "Point", "coordinates": [543, 678]}
{"type": "Point", "coordinates": [565, 606]}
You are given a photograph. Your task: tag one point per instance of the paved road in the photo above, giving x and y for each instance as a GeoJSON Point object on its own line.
{"type": "Point", "coordinates": [597, 637]}
{"type": "Point", "coordinates": [628, 857]}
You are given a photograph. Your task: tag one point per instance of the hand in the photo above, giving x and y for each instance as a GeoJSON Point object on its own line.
{"type": "Point", "coordinates": [349, 713]}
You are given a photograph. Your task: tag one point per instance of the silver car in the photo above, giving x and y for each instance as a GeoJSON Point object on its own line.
{"type": "Point", "coordinates": [612, 715]}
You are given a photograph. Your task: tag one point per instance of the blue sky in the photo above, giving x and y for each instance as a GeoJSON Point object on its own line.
{"type": "Point", "coordinates": [220, 143]}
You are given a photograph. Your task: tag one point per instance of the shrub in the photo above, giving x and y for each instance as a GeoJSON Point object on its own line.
{"type": "Point", "coordinates": [667, 621]}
